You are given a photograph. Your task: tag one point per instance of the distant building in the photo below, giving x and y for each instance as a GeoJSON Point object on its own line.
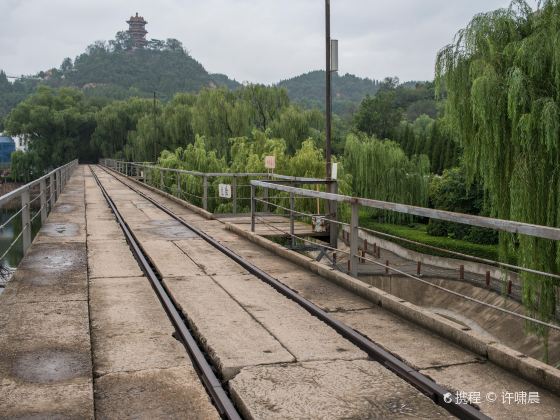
{"type": "Point", "coordinates": [137, 30]}
{"type": "Point", "coordinates": [7, 146]}
{"type": "Point", "coordinates": [20, 144]}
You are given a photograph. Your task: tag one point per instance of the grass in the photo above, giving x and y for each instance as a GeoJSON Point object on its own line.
{"type": "Point", "coordinates": [417, 233]}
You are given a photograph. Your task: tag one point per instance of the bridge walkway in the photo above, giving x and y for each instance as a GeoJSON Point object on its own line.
{"type": "Point", "coordinates": [447, 363]}
{"type": "Point", "coordinates": [83, 335]}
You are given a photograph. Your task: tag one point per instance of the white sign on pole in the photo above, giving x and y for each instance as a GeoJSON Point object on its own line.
{"type": "Point", "coordinates": [224, 190]}
{"type": "Point", "coordinates": [334, 170]}
{"type": "Point", "coordinates": [270, 162]}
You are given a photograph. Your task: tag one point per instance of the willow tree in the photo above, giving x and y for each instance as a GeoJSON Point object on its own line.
{"type": "Point", "coordinates": [501, 77]}
{"type": "Point", "coordinates": [381, 170]}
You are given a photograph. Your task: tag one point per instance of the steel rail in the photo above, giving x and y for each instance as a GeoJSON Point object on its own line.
{"type": "Point", "coordinates": [436, 392]}
{"type": "Point", "coordinates": [209, 379]}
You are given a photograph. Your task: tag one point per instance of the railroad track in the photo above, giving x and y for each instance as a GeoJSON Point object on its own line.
{"type": "Point", "coordinates": [206, 371]}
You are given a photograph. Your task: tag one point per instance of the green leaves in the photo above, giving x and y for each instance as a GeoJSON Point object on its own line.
{"type": "Point", "coordinates": [501, 77]}
{"type": "Point", "coordinates": [381, 170]}
{"type": "Point", "coordinates": [58, 125]}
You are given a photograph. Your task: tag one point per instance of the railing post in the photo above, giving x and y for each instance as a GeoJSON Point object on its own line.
{"type": "Point", "coordinates": [25, 220]}
{"type": "Point", "coordinates": [354, 224]}
{"type": "Point", "coordinates": [205, 193]}
{"type": "Point", "coordinates": [162, 184]}
{"type": "Point", "coordinates": [178, 184]}
{"type": "Point", "coordinates": [58, 186]}
{"type": "Point", "coordinates": [292, 218]}
{"type": "Point", "coordinates": [333, 214]}
{"type": "Point", "coordinates": [234, 194]}
{"type": "Point", "coordinates": [52, 191]}
{"type": "Point", "coordinates": [265, 198]}
{"type": "Point", "coordinates": [253, 209]}
{"type": "Point", "coordinates": [43, 200]}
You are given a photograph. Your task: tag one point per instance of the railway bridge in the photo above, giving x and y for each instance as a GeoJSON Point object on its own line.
{"type": "Point", "coordinates": [156, 293]}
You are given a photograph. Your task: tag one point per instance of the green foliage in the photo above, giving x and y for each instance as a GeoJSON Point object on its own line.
{"type": "Point", "coordinates": [383, 114]}
{"type": "Point", "coordinates": [378, 115]}
{"type": "Point", "coordinates": [381, 170]}
{"type": "Point", "coordinates": [115, 122]}
{"type": "Point", "coordinates": [418, 233]}
{"type": "Point", "coordinates": [431, 138]}
{"type": "Point", "coordinates": [450, 192]}
{"type": "Point", "coordinates": [502, 80]}
{"type": "Point", "coordinates": [25, 166]}
{"type": "Point", "coordinates": [247, 156]}
{"type": "Point", "coordinates": [295, 125]}
{"type": "Point", "coordinates": [56, 124]}
{"type": "Point", "coordinates": [117, 70]}
{"type": "Point", "coordinates": [12, 93]}
{"type": "Point", "coordinates": [140, 129]}
{"type": "Point", "coordinates": [308, 90]}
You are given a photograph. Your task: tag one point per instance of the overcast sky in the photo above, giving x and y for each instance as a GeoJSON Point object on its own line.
{"type": "Point", "coordinates": [249, 40]}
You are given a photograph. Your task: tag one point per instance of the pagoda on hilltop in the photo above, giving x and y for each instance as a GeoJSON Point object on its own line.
{"type": "Point", "coordinates": [137, 31]}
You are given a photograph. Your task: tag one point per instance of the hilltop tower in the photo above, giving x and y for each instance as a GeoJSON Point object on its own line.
{"type": "Point", "coordinates": [137, 30]}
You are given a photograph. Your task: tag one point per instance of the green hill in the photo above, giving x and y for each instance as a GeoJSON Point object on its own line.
{"type": "Point", "coordinates": [112, 69]}
{"type": "Point", "coordinates": [348, 91]}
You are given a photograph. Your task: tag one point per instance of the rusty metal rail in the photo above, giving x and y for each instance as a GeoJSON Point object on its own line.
{"type": "Point", "coordinates": [206, 373]}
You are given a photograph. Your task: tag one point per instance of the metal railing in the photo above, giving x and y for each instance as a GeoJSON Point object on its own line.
{"type": "Point", "coordinates": [39, 195]}
{"type": "Point", "coordinates": [203, 192]}
{"type": "Point", "coordinates": [353, 234]}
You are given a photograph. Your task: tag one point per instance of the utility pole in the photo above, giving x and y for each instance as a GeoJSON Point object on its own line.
{"type": "Point", "coordinates": [328, 99]}
{"type": "Point", "coordinates": [331, 56]}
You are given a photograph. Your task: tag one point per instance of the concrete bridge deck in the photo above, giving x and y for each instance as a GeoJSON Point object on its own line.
{"type": "Point", "coordinates": [83, 335]}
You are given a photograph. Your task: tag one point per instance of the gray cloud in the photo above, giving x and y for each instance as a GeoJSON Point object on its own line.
{"type": "Point", "coordinates": [250, 40]}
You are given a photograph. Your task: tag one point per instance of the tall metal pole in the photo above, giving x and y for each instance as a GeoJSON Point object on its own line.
{"type": "Point", "coordinates": [328, 100]}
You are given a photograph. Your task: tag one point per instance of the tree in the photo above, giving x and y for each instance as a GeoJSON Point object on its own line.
{"type": "Point", "coordinates": [115, 122]}
{"type": "Point", "coordinates": [265, 103]}
{"type": "Point", "coordinates": [56, 124]}
{"type": "Point", "coordinates": [502, 79]}
{"type": "Point", "coordinates": [378, 116]}
{"type": "Point", "coordinates": [66, 65]}
{"type": "Point", "coordinates": [451, 192]}
{"type": "Point", "coordinates": [25, 166]}
{"type": "Point", "coordinates": [295, 125]}
{"type": "Point", "coordinates": [381, 170]}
